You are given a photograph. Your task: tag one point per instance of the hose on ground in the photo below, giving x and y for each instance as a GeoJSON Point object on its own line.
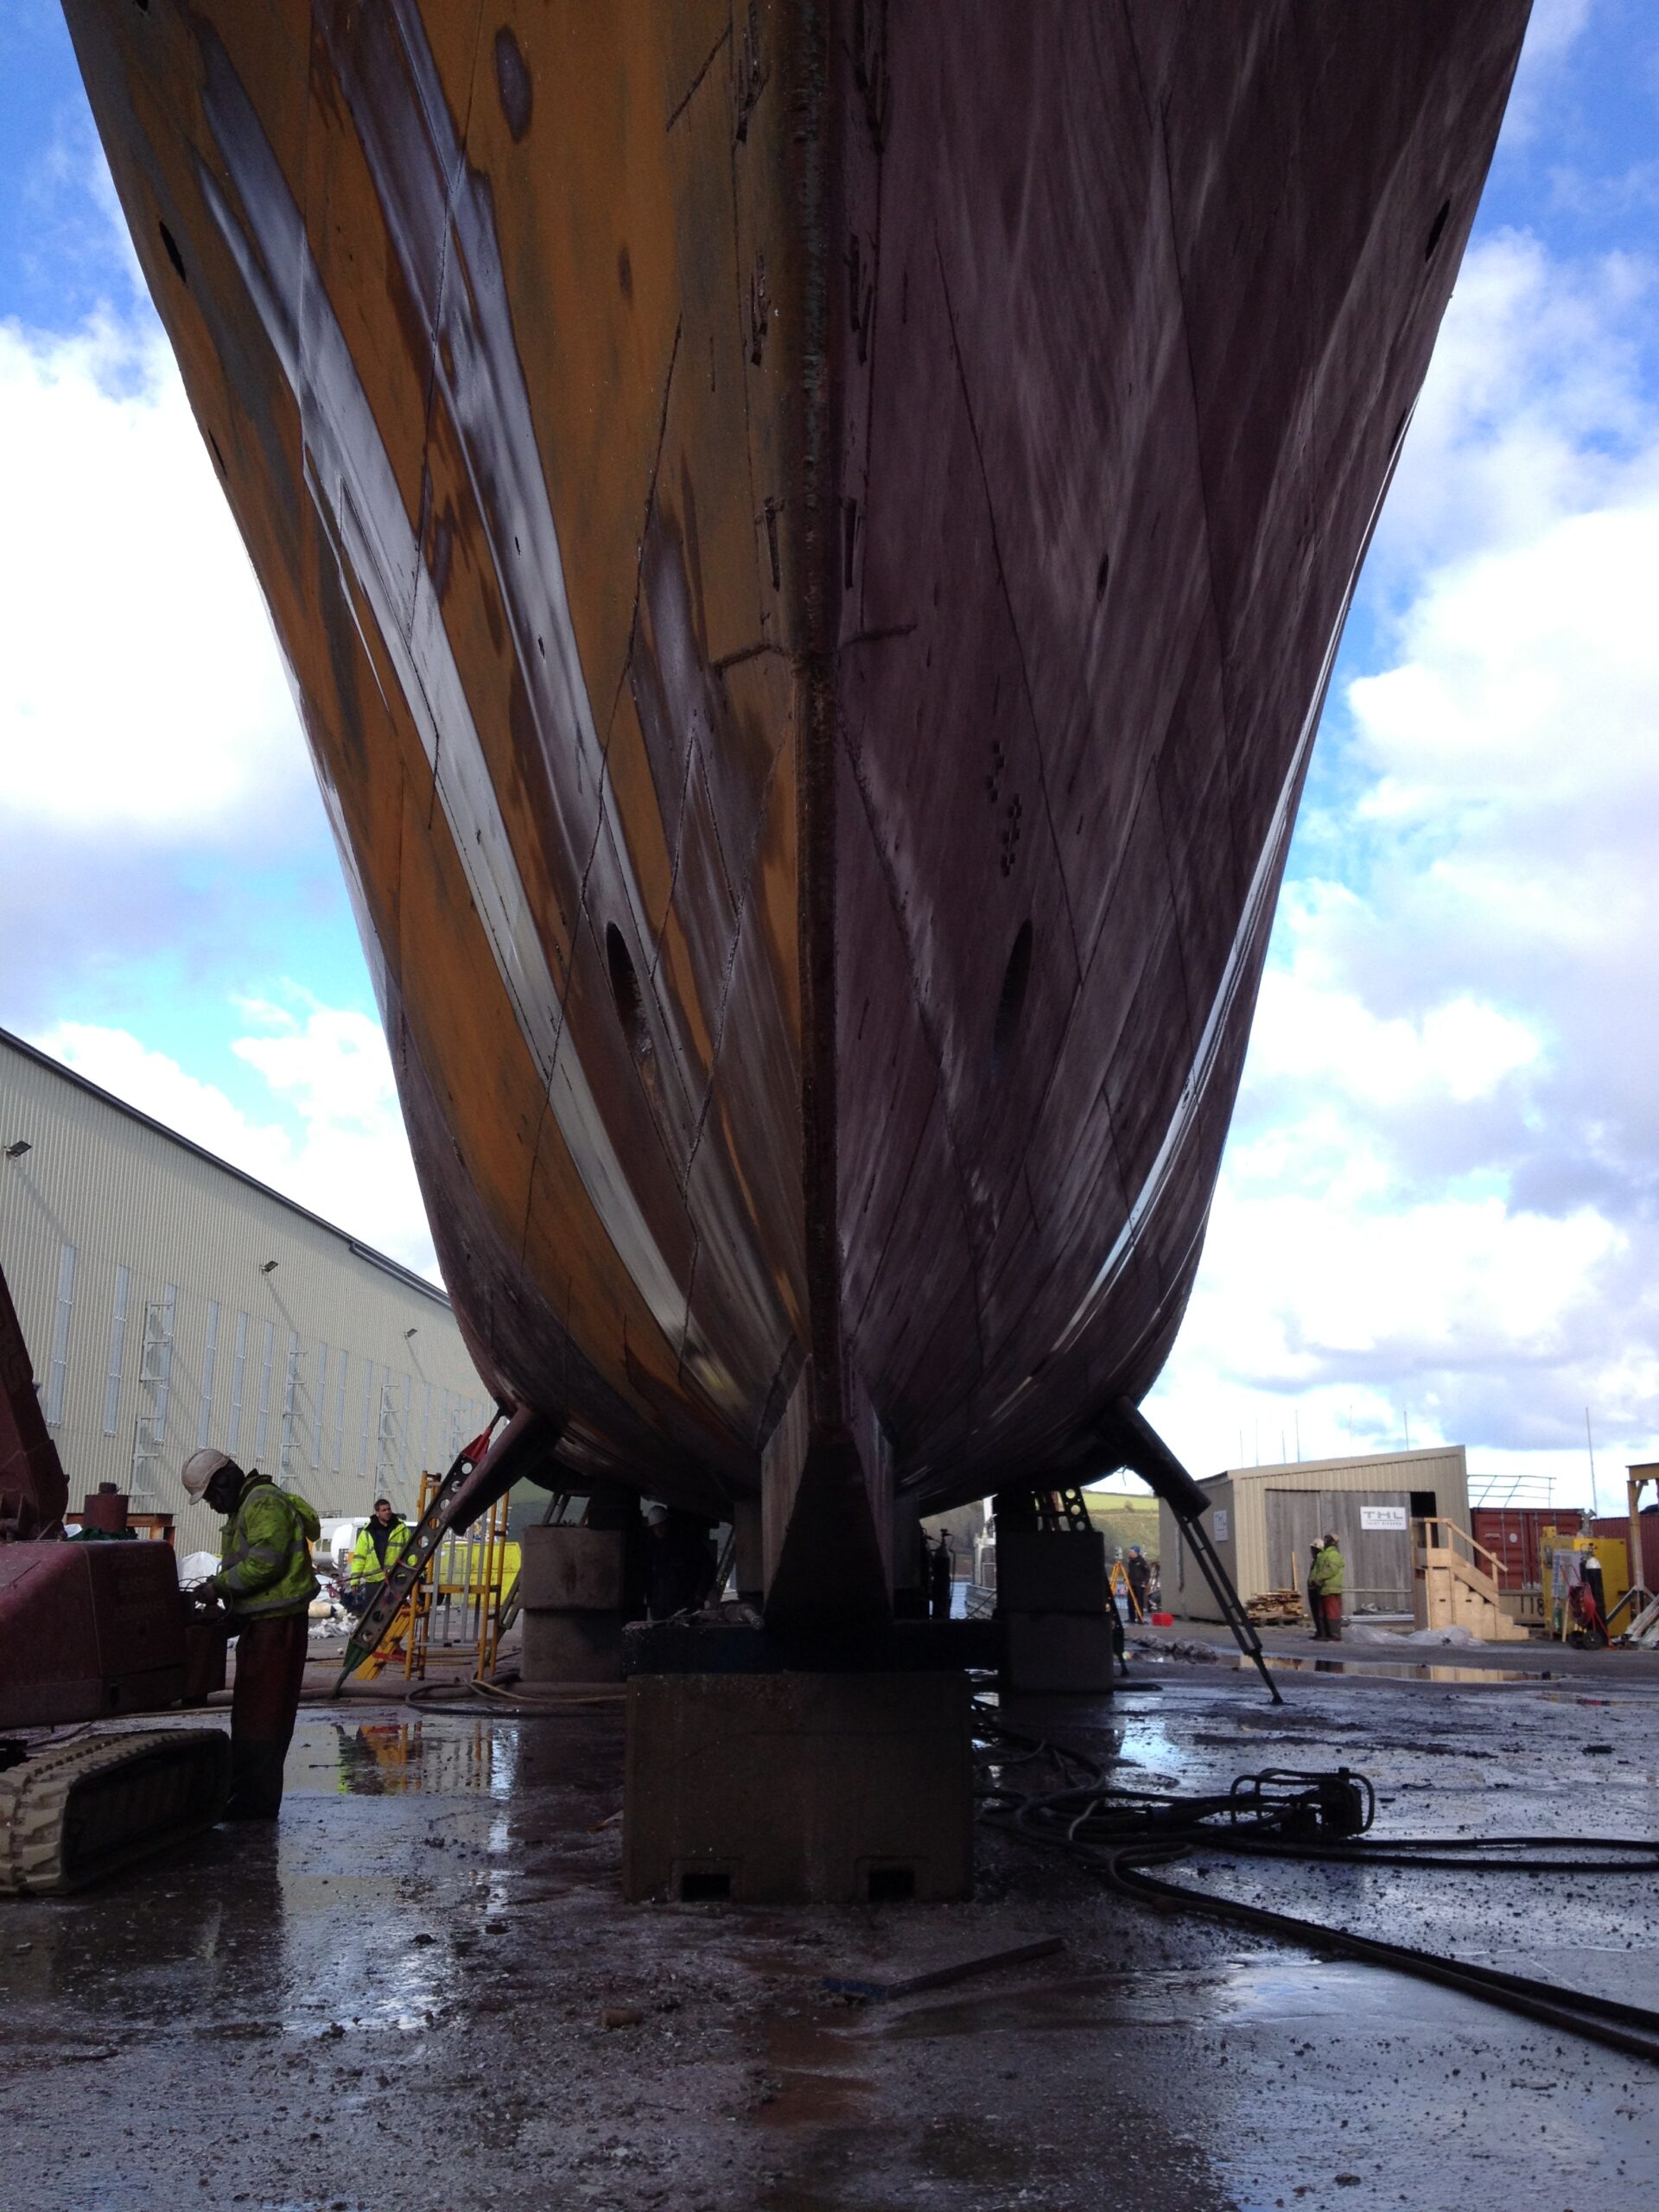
{"type": "Point", "coordinates": [532, 1701]}
{"type": "Point", "coordinates": [1121, 1835]}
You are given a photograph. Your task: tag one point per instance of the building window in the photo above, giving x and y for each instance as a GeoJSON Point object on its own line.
{"type": "Point", "coordinates": [167, 1321]}
{"type": "Point", "coordinates": [209, 1360]}
{"type": "Point", "coordinates": [239, 1376]}
{"type": "Point", "coordinates": [323, 1400]}
{"type": "Point", "coordinates": [384, 1439]}
{"type": "Point", "coordinates": [154, 1384]}
{"type": "Point", "coordinates": [340, 1408]}
{"type": "Point", "coordinates": [118, 1347]}
{"type": "Point", "coordinates": [263, 1430]}
{"type": "Point", "coordinates": [290, 1400]}
{"type": "Point", "coordinates": [54, 1373]}
{"type": "Point", "coordinates": [368, 1394]}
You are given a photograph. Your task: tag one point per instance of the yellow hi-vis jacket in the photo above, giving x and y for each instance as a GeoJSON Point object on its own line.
{"type": "Point", "coordinates": [365, 1564]}
{"type": "Point", "coordinates": [1325, 1574]}
{"type": "Point", "coordinates": [265, 1558]}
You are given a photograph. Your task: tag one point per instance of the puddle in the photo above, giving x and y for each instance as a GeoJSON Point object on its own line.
{"type": "Point", "coordinates": [1271, 1991]}
{"type": "Point", "coordinates": [811, 2077]}
{"type": "Point", "coordinates": [402, 1758]}
{"type": "Point", "coordinates": [1386, 1670]}
{"type": "Point", "coordinates": [1635, 1696]}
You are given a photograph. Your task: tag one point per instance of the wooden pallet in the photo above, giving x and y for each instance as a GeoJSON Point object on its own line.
{"type": "Point", "coordinates": [1277, 1609]}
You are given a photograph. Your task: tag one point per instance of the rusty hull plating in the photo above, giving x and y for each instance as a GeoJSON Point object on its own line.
{"type": "Point", "coordinates": [810, 541]}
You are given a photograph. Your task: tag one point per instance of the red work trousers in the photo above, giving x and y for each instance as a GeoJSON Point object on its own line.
{"type": "Point", "coordinates": [269, 1671]}
{"type": "Point", "coordinates": [1331, 1616]}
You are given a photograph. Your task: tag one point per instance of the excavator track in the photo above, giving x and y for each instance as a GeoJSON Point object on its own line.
{"type": "Point", "coordinates": [72, 1812]}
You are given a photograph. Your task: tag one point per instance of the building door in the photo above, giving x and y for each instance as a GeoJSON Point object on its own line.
{"type": "Point", "coordinates": [1373, 1529]}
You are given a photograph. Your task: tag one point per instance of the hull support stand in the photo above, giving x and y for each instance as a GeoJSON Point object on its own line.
{"type": "Point", "coordinates": [797, 1787]}
{"type": "Point", "coordinates": [1052, 1600]}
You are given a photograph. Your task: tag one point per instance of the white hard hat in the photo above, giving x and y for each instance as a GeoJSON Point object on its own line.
{"type": "Point", "coordinates": [656, 1516]}
{"type": "Point", "coordinates": [200, 1469]}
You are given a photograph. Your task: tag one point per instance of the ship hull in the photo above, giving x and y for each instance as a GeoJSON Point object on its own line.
{"type": "Point", "coordinates": [810, 546]}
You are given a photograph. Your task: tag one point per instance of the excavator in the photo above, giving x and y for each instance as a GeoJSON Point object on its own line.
{"type": "Point", "coordinates": [92, 1629]}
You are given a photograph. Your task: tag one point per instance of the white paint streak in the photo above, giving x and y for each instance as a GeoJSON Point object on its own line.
{"type": "Point", "coordinates": [355, 488]}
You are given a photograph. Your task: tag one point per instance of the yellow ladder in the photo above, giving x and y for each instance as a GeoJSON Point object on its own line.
{"type": "Point", "coordinates": [467, 1575]}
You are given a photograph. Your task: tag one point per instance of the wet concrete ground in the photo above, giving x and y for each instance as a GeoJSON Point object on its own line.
{"type": "Point", "coordinates": [401, 1996]}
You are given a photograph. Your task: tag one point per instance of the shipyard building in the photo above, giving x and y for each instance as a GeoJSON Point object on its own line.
{"type": "Point", "coordinates": [168, 1301]}
{"type": "Point", "coordinates": [1263, 1519]}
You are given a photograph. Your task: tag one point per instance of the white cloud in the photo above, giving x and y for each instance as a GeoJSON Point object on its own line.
{"type": "Point", "coordinates": [160, 809]}
{"type": "Point", "coordinates": [1349, 1318]}
{"type": "Point", "coordinates": [1523, 669]}
{"type": "Point", "coordinates": [1554, 29]}
{"type": "Point", "coordinates": [141, 689]}
{"type": "Point", "coordinates": [162, 822]}
{"type": "Point", "coordinates": [340, 1149]}
{"type": "Point", "coordinates": [1441, 1199]}
{"type": "Point", "coordinates": [1534, 408]}
{"type": "Point", "coordinates": [1308, 1031]}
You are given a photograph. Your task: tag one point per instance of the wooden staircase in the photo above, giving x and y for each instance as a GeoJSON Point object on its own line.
{"type": "Point", "coordinates": [1454, 1583]}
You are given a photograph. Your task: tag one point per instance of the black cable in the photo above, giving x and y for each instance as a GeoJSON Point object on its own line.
{"type": "Point", "coordinates": [1462, 1854]}
{"type": "Point", "coordinates": [533, 1702]}
{"type": "Point", "coordinates": [1574, 2011]}
{"type": "Point", "coordinates": [1118, 1834]}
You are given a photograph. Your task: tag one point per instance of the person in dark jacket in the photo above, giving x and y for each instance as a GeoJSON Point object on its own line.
{"type": "Point", "coordinates": [1140, 1575]}
{"type": "Point", "coordinates": [941, 1569]}
{"type": "Point", "coordinates": [679, 1563]}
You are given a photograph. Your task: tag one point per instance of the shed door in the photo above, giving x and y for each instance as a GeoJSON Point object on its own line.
{"type": "Point", "coordinates": [1378, 1559]}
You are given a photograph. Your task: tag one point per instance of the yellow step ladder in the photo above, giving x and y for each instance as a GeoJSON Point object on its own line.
{"type": "Point", "coordinates": [457, 1603]}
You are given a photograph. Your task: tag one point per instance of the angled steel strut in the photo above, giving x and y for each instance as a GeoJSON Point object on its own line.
{"type": "Point", "coordinates": [483, 1472]}
{"type": "Point", "coordinates": [1139, 1448]}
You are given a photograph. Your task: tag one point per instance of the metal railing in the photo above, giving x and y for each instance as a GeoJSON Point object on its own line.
{"type": "Point", "coordinates": [458, 1601]}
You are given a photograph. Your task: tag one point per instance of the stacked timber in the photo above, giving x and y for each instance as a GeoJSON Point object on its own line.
{"type": "Point", "coordinates": [1277, 1609]}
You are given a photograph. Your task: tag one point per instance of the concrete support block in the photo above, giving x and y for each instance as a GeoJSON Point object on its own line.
{"type": "Point", "coordinates": [570, 1570]}
{"type": "Point", "coordinates": [1037, 1571]}
{"type": "Point", "coordinates": [571, 1646]}
{"type": "Point", "coordinates": [1057, 1651]}
{"type": "Point", "coordinates": [797, 1788]}
{"type": "Point", "coordinates": [570, 1588]}
{"type": "Point", "coordinates": [749, 1559]}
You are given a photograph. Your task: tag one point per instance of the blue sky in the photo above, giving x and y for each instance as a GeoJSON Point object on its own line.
{"type": "Point", "coordinates": [1439, 1203]}
{"type": "Point", "coordinates": [266, 902]}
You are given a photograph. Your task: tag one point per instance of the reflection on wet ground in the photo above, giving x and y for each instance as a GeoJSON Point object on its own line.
{"type": "Point", "coordinates": [1391, 1670]}
{"type": "Point", "coordinates": [425, 1957]}
{"type": "Point", "coordinates": [374, 1758]}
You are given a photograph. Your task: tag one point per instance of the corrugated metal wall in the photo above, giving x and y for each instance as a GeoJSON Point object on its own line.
{"type": "Point", "coordinates": [138, 1268]}
{"type": "Point", "coordinates": [1241, 1494]}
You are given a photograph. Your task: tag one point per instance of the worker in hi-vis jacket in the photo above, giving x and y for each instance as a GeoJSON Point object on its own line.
{"type": "Point", "coordinates": [265, 1584]}
{"type": "Point", "coordinates": [379, 1547]}
{"type": "Point", "coordinates": [1324, 1580]}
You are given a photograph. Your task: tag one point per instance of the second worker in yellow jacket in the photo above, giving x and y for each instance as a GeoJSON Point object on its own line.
{"type": "Point", "coordinates": [381, 1542]}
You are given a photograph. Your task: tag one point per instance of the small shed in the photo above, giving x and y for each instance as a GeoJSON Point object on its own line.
{"type": "Point", "coordinates": [1263, 1519]}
